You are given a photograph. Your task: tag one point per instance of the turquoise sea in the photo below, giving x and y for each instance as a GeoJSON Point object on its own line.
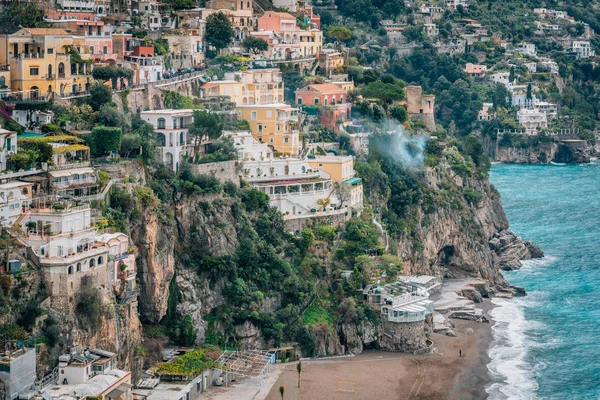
{"type": "Point", "coordinates": [547, 344]}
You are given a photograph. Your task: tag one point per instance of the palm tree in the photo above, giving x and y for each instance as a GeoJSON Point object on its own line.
{"type": "Point", "coordinates": [299, 369]}
{"type": "Point", "coordinates": [281, 390]}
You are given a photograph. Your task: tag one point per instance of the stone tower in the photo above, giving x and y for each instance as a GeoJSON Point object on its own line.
{"type": "Point", "coordinates": [420, 106]}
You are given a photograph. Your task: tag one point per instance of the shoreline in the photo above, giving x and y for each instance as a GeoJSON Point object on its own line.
{"type": "Point", "coordinates": [380, 374]}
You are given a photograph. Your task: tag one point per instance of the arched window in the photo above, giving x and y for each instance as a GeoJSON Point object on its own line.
{"type": "Point", "coordinates": [92, 262]}
{"type": "Point", "coordinates": [2, 81]}
{"type": "Point", "coordinates": [50, 71]}
{"type": "Point", "coordinates": [70, 270]}
{"type": "Point", "coordinates": [161, 123]}
{"type": "Point", "coordinates": [100, 260]}
{"type": "Point", "coordinates": [78, 267]}
{"type": "Point", "coordinates": [180, 138]}
{"type": "Point", "coordinates": [61, 70]}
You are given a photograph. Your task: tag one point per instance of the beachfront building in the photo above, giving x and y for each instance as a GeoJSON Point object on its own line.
{"type": "Point", "coordinates": [41, 63]}
{"type": "Point", "coordinates": [89, 373]}
{"type": "Point", "coordinates": [254, 86]}
{"type": "Point", "coordinates": [277, 125]}
{"type": "Point", "coordinates": [171, 128]}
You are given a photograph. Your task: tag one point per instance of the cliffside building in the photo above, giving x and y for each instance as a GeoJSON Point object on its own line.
{"type": "Point", "coordinates": [276, 125]}
{"type": "Point", "coordinates": [420, 106]}
{"type": "Point", "coordinates": [255, 86]}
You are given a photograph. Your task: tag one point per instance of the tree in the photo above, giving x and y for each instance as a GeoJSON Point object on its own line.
{"type": "Point", "coordinates": [281, 391]}
{"type": "Point", "coordinates": [529, 95]}
{"type": "Point", "coordinates": [339, 34]}
{"type": "Point", "coordinates": [511, 75]}
{"type": "Point", "coordinates": [255, 45]}
{"type": "Point", "coordinates": [399, 113]}
{"type": "Point", "coordinates": [206, 124]}
{"type": "Point", "coordinates": [103, 73]}
{"type": "Point", "coordinates": [386, 92]}
{"type": "Point", "coordinates": [177, 101]}
{"type": "Point", "coordinates": [219, 32]}
{"type": "Point", "coordinates": [17, 15]}
{"type": "Point", "coordinates": [414, 33]}
{"type": "Point", "coordinates": [110, 116]}
{"type": "Point", "coordinates": [299, 369]}
{"type": "Point", "coordinates": [106, 139]}
{"type": "Point", "coordinates": [500, 96]}
{"type": "Point", "coordinates": [99, 94]}
{"type": "Point", "coordinates": [129, 143]}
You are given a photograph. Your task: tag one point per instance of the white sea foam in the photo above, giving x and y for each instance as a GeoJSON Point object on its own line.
{"type": "Point", "coordinates": [512, 374]}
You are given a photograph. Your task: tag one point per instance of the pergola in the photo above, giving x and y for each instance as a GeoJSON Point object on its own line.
{"type": "Point", "coordinates": [246, 363]}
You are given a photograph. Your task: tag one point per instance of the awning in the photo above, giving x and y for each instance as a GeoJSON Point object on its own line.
{"type": "Point", "coordinates": [122, 388]}
{"type": "Point", "coordinates": [69, 172]}
{"type": "Point", "coordinates": [352, 181]}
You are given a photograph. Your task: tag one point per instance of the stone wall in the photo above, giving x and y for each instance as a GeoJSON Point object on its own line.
{"type": "Point", "coordinates": [300, 223]}
{"type": "Point", "coordinates": [224, 171]}
{"type": "Point", "coordinates": [404, 337]}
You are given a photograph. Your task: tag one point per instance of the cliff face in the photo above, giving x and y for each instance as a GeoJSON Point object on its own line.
{"type": "Point", "coordinates": [528, 150]}
{"type": "Point", "coordinates": [155, 265]}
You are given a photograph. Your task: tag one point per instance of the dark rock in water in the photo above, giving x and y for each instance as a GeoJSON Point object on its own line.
{"type": "Point", "coordinates": [511, 249]}
{"type": "Point", "coordinates": [520, 291]}
{"type": "Point", "coordinates": [572, 152]}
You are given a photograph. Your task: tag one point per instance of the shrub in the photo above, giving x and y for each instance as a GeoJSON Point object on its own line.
{"type": "Point", "coordinates": [89, 306]}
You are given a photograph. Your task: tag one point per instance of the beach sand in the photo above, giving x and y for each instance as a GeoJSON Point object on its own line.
{"type": "Point", "coordinates": [384, 375]}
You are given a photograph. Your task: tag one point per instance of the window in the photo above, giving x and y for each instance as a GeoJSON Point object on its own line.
{"type": "Point", "coordinates": [269, 114]}
{"type": "Point", "coordinates": [161, 123]}
{"type": "Point", "coordinates": [100, 260]}
{"type": "Point", "coordinates": [286, 140]}
{"type": "Point", "coordinates": [92, 49]}
{"type": "Point", "coordinates": [278, 128]}
{"type": "Point", "coordinates": [260, 128]}
{"type": "Point", "coordinates": [105, 50]}
{"type": "Point", "coordinates": [253, 116]}
{"type": "Point", "coordinates": [316, 101]}
{"type": "Point", "coordinates": [34, 71]}
{"type": "Point", "coordinates": [59, 251]}
{"type": "Point", "coordinates": [271, 140]}
{"type": "Point", "coordinates": [50, 51]}
{"type": "Point", "coordinates": [300, 100]}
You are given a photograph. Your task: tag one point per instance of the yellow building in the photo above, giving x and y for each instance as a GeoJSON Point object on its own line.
{"type": "Point", "coordinates": [254, 86]}
{"type": "Point", "coordinates": [274, 124]}
{"type": "Point", "coordinates": [341, 170]}
{"type": "Point", "coordinates": [40, 62]}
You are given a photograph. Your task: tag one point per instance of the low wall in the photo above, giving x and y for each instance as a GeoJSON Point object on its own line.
{"type": "Point", "coordinates": [299, 223]}
{"type": "Point", "coordinates": [224, 171]}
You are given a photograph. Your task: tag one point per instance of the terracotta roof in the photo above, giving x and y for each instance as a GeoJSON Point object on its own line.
{"type": "Point", "coordinates": [46, 31]}
{"type": "Point", "coordinates": [325, 87]}
{"type": "Point", "coordinates": [280, 15]}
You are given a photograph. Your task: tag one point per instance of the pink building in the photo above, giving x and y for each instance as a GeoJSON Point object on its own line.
{"type": "Point", "coordinates": [333, 97]}
{"type": "Point", "coordinates": [476, 70]}
{"type": "Point", "coordinates": [143, 51]}
{"type": "Point", "coordinates": [277, 22]}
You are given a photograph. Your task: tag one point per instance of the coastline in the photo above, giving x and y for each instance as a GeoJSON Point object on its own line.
{"type": "Point", "coordinates": [380, 374]}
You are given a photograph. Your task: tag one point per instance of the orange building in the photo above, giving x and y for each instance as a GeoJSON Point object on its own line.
{"type": "Point", "coordinates": [332, 98]}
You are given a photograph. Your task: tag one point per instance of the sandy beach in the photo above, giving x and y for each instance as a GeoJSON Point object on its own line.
{"type": "Point", "coordinates": [383, 375]}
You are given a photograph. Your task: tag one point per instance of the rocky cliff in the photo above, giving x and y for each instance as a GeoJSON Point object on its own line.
{"type": "Point", "coordinates": [535, 150]}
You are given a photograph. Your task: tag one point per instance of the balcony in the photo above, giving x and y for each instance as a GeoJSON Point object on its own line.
{"type": "Point", "coordinates": [74, 182]}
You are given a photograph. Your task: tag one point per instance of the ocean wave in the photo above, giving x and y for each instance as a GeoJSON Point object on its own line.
{"type": "Point", "coordinates": [538, 262]}
{"type": "Point", "coordinates": [513, 376]}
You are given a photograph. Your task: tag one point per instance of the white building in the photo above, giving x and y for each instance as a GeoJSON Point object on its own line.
{"type": "Point", "coordinates": [8, 146]}
{"type": "Point", "coordinates": [14, 196]}
{"type": "Point", "coordinates": [484, 114]}
{"type": "Point", "coordinates": [17, 370]}
{"type": "Point", "coordinates": [431, 30]}
{"type": "Point", "coordinates": [526, 48]}
{"type": "Point", "coordinates": [582, 49]}
{"type": "Point", "coordinates": [294, 187]}
{"type": "Point", "coordinates": [500, 77]}
{"type": "Point", "coordinates": [90, 373]}
{"type": "Point", "coordinates": [452, 4]}
{"type": "Point", "coordinates": [32, 120]}
{"type": "Point", "coordinates": [532, 119]}
{"type": "Point", "coordinates": [172, 134]}
{"type": "Point", "coordinates": [73, 182]}
{"type": "Point", "coordinates": [550, 109]}
{"type": "Point", "coordinates": [551, 65]}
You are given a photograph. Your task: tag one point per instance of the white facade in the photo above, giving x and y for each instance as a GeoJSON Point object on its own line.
{"type": "Point", "coordinates": [452, 4]}
{"type": "Point", "coordinates": [551, 65]}
{"type": "Point", "coordinates": [500, 77]}
{"type": "Point", "coordinates": [8, 146]}
{"type": "Point", "coordinates": [32, 120]}
{"type": "Point", "coordinates": [532, 119]}
{"type": "Point", "coordinates": [527, 49]}
{"type": "Point", "coordinates": [13, 197]}
{"type": "Point", "coordinates": [550, 109]}
{"type": "Point", "coordinates": [582, 49]}
{"type": "Point", "coordinates": [58, 221]}
{"type": "Point", "coordinates": [172, 133]}
{"type": "Point", "coordinates": [293, 186]}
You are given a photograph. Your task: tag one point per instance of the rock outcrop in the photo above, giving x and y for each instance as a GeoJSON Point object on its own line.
{"type": "Point", "coordinates": [511, 250]}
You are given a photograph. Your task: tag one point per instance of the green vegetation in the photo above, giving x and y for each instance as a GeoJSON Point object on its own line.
{"type": "Point", "coordinates": [192, 363]}
{"type": "Point", "coordinates": [219, 32]}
